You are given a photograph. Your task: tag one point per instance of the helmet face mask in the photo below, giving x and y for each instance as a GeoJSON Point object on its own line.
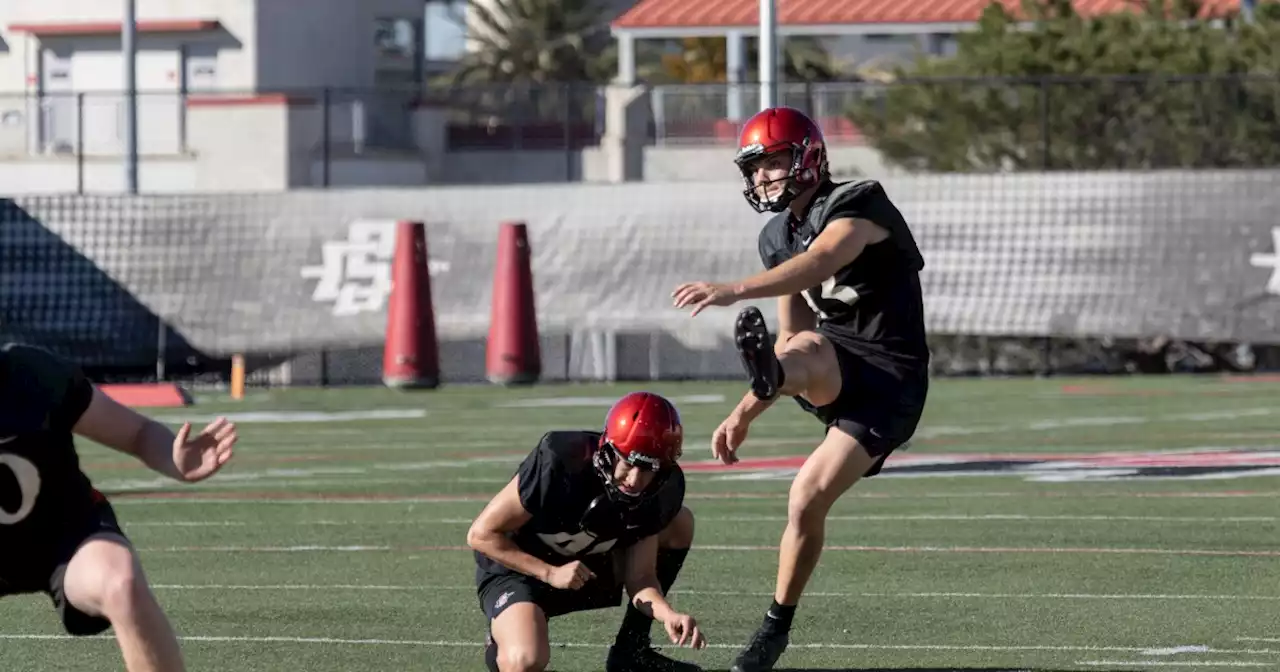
{"type": "Point", "coordinates": [756, 159]}
{"type": "Point", "coordinates": [606, 462]}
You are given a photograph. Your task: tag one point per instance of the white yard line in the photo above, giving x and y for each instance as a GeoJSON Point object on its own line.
{"type": "Point", "coordinates": [741, 519]}
{"type": "Point", "coordinates": [478, 643]}
{"type": "Point", "coordinates": [299, 587]}
{"type": "Point", "coordinates": [708, 548]}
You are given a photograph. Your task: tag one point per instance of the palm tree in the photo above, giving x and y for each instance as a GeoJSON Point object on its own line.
{"type": "Point", "coordinates": [536, 41]}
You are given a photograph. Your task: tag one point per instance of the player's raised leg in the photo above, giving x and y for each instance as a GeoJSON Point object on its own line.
{"type": "Point", "coordinates": [805, 365]}
{"type": "Point", "coordinates": [104, 580]}
{"type": "Point", "coordinates": [633, 647]}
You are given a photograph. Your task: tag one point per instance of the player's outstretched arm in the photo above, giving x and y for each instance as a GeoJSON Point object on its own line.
{"type": "Point", "coordinates": [180, 456]}
{"type": "Point", "coordinates": [646, 594]}
{"type": "Point", "coordinates": [840, 242]}
{"type": "Point", "coordinates": [490, 534]}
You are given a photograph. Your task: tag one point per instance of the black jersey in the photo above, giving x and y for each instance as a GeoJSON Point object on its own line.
{"type": "Point", "coordinates": [873, 306]}
{"type": "Point", "coordinates": [42, 488]}
{"type": "Point", "coordinates": [557, 483]}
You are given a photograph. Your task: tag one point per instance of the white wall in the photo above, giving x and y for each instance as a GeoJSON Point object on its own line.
{"type": "Point", "coordinates": [100, 176]}
{"type": "Point", "coordinates": [235, 44]}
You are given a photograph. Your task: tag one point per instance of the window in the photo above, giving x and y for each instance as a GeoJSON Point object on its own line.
{"type": "Point", "coordinates": [445, 29]}
{"type": "Point", "coordinates": [397, 52]}
{"type": "Point", "coordinates": [395, 39]}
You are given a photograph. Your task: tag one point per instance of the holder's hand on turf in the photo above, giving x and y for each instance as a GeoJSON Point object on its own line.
{"type": "Point", "coordinates": [728, 437]}
{"type": "Point", "coordinates": [197, 458]}
{"type": "Point", "coordinates": [682, 629]}
{"type": "Point", "coordinates": [570, 576]}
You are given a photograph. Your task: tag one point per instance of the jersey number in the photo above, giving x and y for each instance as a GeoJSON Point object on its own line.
{"type": "Point", "coordinates": [830, 292]}
{"type": "Point", "coordinates": [28, 478]}
{"type": "Point", "coordinates": [573, 544]}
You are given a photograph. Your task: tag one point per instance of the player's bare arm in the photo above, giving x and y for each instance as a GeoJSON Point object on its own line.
{"type": "Point", "coordinates": [646, 595]}
{"type": "Point", "coordinates": [840, 242]}
{"type": "Point", "coordinates": [489, 532]}
{"type": "Point", "coordinates": [490, 535]}
{"type": "Point", "coordinates": [179, 456]}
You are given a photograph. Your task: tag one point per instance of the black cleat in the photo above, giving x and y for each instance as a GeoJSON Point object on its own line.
{"type": "Point", "coordinates": [756, 348]}
{"type": "Point", "coordinates": [762, 652]}
{"type": "Point", "coordinates": [627, 659]}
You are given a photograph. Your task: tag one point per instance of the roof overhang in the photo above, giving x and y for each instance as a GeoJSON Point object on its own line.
{"type": "Point", "coordinates": [823, 29]}
{"type": "Point", "coordinates": [78, 28]}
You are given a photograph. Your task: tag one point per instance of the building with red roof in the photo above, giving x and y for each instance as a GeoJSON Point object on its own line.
{"type": "Point", "coordinates": [867, 29]}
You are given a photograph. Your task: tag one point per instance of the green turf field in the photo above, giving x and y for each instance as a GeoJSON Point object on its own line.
{"type": "Point", "coordinates": [337, 543]}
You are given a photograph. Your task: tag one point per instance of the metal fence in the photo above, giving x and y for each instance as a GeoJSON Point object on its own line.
{"type": "Point", "coordinates": [1105, 122]}
{"type": "Point", "coordinates": [72, 131]}
{"type": "Point", "coordinates": [956, 125]}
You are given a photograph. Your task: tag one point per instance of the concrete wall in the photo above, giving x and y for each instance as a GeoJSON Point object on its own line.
{"type": "Point", "coordinates": [315, 43]}
{"type": "Point", "coordinates": [268, 143]}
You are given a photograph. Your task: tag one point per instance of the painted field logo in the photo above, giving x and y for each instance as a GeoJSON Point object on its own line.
{"type": "Point", "coordinates": [1197, 463]}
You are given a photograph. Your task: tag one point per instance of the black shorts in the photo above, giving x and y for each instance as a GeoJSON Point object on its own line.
{"type": "Point", "coordinates": [499, 591]}
{"type": "Point", "coordinates": [878, 406]}
{"type": "Point", "coordinates": [47, 576]}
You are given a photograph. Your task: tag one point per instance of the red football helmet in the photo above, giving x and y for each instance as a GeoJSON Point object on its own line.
{"type": "Point", "coordinates": [644, 430]}
{"type": "Point", "coordinates": [782, 129]}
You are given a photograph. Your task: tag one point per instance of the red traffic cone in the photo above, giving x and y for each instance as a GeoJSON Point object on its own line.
{"type": "Point", "coordinates": [512, 356]}
{"type": "Point", "coordinates": [410, 357]}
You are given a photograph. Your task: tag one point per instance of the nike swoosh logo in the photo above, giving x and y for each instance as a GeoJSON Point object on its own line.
{"type": "Point", "coordinates": [7, 439]}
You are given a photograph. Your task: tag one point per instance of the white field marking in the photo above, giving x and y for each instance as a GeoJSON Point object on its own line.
{"type": "Point", "coordinates": [746, 548]}
{"type": "Point", "coordinates": [479, 643]}
{"type": "Point", "coordinates": [1092, 421]}
{"type": "Point", "coordinates": [305, 501]}
{"type": "Point", "coordinates": [364, 481]}
{"type": "Point", "coordinates": [1048, 424]}
{"type": "Point", "coordinates": [300, 416]}
{"type": "Point", "coordinates": [1174, 663]}
{"type": "Point", "coordinates": [235, 478]}
{"type": "Point", "coordinates": [1175, 650]}
{"type": "Point", "coordinates": [1271, 640]}
{"type": "Point", "coordinates": [747, 519]}
{"type": "Point", "coordinates": [731, 496]}
{"type": "Point", "coordinates": [322, 446]}
{"type": "Point", "coordinates": [740, 593]}
{"type": "Point", "coordinates": [1004, 518]}
{"type": "Point", "coordinates": [601, 402]}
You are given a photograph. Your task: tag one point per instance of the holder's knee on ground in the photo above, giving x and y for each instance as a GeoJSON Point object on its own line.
{"type": "Point", "coordinates": [104, 579]}
{"type": "Point", "coordinates": [520, 633]}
